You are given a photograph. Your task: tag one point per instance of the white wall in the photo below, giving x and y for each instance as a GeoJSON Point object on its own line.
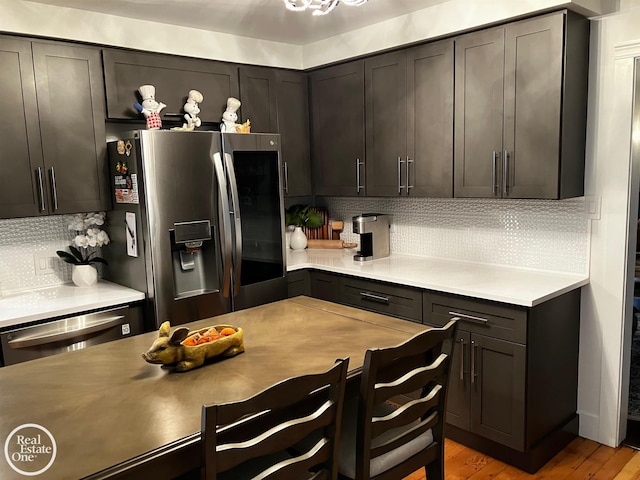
{"type": "Point", "coordinates": [605, 336]}
{"type": "Point", "coordinates": [446, 18]}
{"type": "Point", "coordinates": [443, 19]}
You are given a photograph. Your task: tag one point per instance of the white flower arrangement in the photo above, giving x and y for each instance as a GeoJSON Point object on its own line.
{"type": "Point", "coordinates": [88, 235]}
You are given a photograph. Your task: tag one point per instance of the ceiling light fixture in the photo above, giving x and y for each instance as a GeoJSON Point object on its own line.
{"type": "Point", "coordinates": [319, 7]}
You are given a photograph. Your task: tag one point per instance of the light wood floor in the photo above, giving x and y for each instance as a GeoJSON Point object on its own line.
{"type": "Point", "coordinates": [581, 460]}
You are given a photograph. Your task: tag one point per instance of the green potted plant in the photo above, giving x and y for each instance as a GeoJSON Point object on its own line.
{"type": "Point", "coordinates": [300, 216]}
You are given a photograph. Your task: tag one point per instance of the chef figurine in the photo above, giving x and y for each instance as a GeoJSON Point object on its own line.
{"type": "Point", "coordinates": [150, 108]}
{"type": "Point", "coordinates": [192, 110]}
{"type": "Point", "coordinates": [230, 116]}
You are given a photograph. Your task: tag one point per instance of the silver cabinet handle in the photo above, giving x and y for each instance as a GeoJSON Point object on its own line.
{"type": "Point", "coordinates": [469, 317]}
{"type": "Point", "coordinates": [54, 192]}
{"type": "Point", "coordinates": [41, 189]}
{"type": "Point", "coordinates": [462, 347]}
{"type": "Point", "coordinates": [474, 352]}
{"type": "Point", "coordinates": [358, 186]}
{"type": "Point", "coordinates": [505, 173]}
{"type": "Point", "coordinates": [50, 335]}
{"type": "Point", "coordinates": [374, 298]}
{"type": "Point", "coordinates": [235, 200]}
{"type": "Point", "coordinates": [286, 178]}
{"type": "Point", "coordinates": [400, 186]}
{"type": "Point", "coordinates": [494, 173]}
{"type": "Point", "coordinates": [226, 223]}
{"type": "Point", "coordinates": [409, 186]}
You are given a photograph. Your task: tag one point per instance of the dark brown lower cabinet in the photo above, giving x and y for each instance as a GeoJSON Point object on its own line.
{"type": "Point", "coordinates": [486, 388]}
{"type": "Point", "coordinates": [325, 286]}
{"type": "Point", "coordinates": [514, 377]}
{"type": "Point", "coordinates": [513, 387]}
{"type": "Point", "coordinates": [298, 283]}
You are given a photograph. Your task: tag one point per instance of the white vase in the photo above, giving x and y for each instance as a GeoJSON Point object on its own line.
{"type": "Point", "coordinates": [287, 235]}
{"type": "Point", "coordinates": [298, 239]}
{"type": "Point", "coordinates": [84, 275]}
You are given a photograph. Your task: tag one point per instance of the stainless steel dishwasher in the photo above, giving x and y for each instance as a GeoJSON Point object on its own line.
{"type": "Point", "coordinates": [70, 333]}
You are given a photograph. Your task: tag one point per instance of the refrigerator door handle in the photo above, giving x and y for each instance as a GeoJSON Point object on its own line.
{"type": "Point", "coordinates": [226, 223]}
{"type": "Point", "coordinates": [237, 264]}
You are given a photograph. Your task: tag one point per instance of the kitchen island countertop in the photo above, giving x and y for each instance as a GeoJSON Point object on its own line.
{"type": "Point", "coordinates": [26, 306]}
{"type": "Point", "coordinates": [516, 286]}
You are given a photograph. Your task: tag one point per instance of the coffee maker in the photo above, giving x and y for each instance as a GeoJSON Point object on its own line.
{"type": "Point", "coordinates": [374, 236]}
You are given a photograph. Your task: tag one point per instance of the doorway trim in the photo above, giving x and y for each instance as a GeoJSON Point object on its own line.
{"type": "Point", "coordinates": [627, 60]}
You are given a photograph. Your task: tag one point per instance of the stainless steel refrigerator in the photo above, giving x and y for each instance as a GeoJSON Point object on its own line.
{"type": "Point", "coordinates": [197, 222]}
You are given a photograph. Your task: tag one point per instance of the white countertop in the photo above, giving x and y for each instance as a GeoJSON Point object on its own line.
{"type": "Point", "coordinates": [489, 282]}
{"type": "Point", "coordinates": [33, 305]}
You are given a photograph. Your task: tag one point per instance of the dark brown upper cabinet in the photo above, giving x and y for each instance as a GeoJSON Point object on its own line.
{"type": "Point", "coordinates": [293, 126]}
{"type": "Point", "coordinates": [409, 122]}
{"type": "Point", "coordinates": [258, 98]}
{"type": "Point", "coordinates": [56, 147]}
{"type": "Point", "coordinates": [337, 104]}
{"type": "Point", "coordinates": [520, 112]}
{"type": "Point", "coordinates": [277, 101]}
{"type": "Point", "coordinates": [173, 77]}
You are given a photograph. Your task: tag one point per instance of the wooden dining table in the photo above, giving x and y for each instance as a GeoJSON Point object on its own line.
{"type": "Point", "coordinates": [112, 415]}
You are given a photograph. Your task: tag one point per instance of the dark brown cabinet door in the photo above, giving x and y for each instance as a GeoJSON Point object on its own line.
{"type": "Point", "coordinates": [325, 286]}
{"type": "Point", "coordinates": [532, 107]}
{"type": "Point", "coordinates": [71, 108]}
{"type": "Point", "coordinates": [55, 140]}
{"type": "Point", "coordinates": [258, 97]}
{"type": "Point", "coordinates": [497, 377]}
{"type": "Point", "coordinates": [479, 91]}
{"type": "Point", "coordinates": [293, 126]}
{"type": "Point", "coordinates": [520, 114]}
{"type": "Point", "coordinates": [337, 99]}
{"type": "Point", "coordinates": [298, 283]}
{"type": "Point", "coordinates": [487, 388]}
{"type": "Point", "coordinates": [459, 387]}
{"type": "Point", "coordinates": [386, 130]}
{"type": "Point", "coordinates": [22, 179]}
{"type": "Point", "coordinates": [173, 77]}
{"type": "Point", "coordinates": [429, 167]}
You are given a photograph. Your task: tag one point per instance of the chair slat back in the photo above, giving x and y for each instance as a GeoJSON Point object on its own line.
{"type": "Point", "coordinates": [416, 369]}
{"type": "Point", "coordinates": [254, 434]}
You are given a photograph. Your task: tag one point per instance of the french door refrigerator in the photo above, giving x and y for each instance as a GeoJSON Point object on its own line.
{"type": "Point", "coordinates": [197, 222]}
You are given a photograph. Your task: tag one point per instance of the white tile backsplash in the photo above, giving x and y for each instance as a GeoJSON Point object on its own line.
{"type": "Point", "coordinates": [23, 238]}
{"type": "Point", "coordinates": [546, 235]}
{"type": "Point", "coordinates": [539, 234]}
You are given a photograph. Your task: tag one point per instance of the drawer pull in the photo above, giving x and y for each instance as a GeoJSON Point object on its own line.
{"type": "Point", "coordinates": [374, 298]}
{"type": "Point", "coordinates": [469, 317]}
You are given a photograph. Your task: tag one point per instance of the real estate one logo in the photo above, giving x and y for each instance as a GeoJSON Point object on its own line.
{"type": "Point", "coordinates": [30, 449]}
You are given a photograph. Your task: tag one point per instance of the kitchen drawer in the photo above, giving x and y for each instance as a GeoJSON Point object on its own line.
{"type": "Point", "coordinates": [505, 322]}
{"type": "Point", "coordinates": [396, 300]}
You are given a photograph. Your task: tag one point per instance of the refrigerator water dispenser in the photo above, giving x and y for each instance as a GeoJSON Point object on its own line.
{"type": "Point", "coordinates": [193, 250]}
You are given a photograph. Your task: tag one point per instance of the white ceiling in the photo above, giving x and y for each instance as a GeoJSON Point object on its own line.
{"type": "Point", "coordinates": [262, 19]}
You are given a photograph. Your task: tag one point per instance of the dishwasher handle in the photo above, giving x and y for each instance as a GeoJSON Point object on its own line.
{"type": "Point", "coordinates": [43, 336]}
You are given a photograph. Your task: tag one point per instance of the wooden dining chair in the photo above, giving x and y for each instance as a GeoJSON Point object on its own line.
{"type": "Point", "coordinates": [395, 426]}
{"type": "Point", "coordinates": [252, 438]}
